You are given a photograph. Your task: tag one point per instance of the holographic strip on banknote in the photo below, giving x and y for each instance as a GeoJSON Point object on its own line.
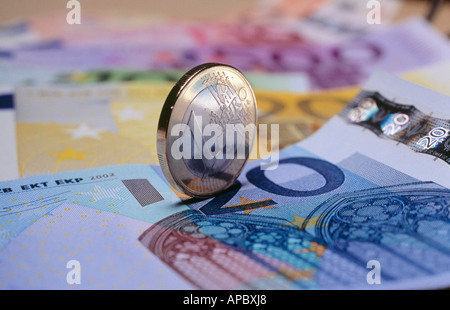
{"type": "Point", "coordinates": [402, 123]}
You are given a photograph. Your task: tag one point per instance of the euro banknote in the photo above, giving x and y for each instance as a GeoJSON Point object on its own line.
{"type": "Point", "coordinates": [349, 198]}
{"type": "Point", "coordinates": [72, 127]}
{"type": "Point", "coordinates": [326, 66]}
{"type": "Point", "coordinates": [86, 230]}
{"type": "Point", "coordinates": [79, 230]}
{"type": "Point", "coordinates": [360, 204]}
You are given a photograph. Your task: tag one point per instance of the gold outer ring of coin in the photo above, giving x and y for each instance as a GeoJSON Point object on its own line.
{"type": "Point", "coordinates": [204, 79]}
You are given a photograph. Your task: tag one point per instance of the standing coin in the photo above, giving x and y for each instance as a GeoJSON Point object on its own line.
{"type": "Point", "coordinates": [206, 130]}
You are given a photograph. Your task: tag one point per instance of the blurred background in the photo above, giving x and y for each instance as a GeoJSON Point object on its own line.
{"type": "Point", "coordinates": [195, 9]}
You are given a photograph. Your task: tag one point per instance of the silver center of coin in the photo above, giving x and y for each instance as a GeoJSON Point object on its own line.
{"type": "Point", "coordinates": [206, 130]}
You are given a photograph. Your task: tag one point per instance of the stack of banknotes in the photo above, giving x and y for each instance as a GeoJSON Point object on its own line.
{"type": "Point", "coordinates": [360, 198]}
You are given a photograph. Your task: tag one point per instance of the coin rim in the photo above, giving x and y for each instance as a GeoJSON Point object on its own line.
{"type": "Point", "coordinates": [164, 121]}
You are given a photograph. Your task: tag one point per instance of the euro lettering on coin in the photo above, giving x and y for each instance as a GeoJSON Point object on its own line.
{"type": "Point", "coordinates": [206, 130]}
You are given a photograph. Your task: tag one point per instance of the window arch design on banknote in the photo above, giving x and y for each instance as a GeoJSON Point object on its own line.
{"type": "Point", "coordinates": [238, 252]}
{"type": "Point", "coordinates": [369, 214]}
{"type": "Point", "coordinates": [402, 226]}
{"type": "Point", "coordinates": [405, 227]}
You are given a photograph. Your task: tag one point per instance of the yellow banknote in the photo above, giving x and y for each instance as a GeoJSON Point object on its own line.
{"type": "Point", "coordinates": [301, 114]}
{"type": "Point", "coordinates": [79, 127]}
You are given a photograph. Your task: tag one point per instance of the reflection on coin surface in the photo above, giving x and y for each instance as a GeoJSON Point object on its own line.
{"type": "Point", "coordinates": [206, 130]}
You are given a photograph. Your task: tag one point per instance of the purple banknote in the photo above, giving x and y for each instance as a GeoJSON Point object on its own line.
{"type": "Point", "coordinates": [327, 66]}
